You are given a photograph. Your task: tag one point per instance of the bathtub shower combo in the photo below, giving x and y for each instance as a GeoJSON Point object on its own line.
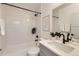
{"type": "Point", "coordinates": [20, 32]}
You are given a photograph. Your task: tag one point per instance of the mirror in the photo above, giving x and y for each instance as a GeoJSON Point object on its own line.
{"type": "Point", "coordinates": [75, 24]}
{"type": "Point", "coordinates": [56, 20]}
{"type": "Point", "coordinates": [46, 23]}
{"type": "Point", "coordinates": [60, 19]}
{"type": "Point", "coordinates": [66, 19]}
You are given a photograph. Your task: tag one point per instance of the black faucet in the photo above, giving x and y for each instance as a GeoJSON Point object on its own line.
{"type": "Point", "coordinates": [69, 38]}
{"type": "Point", "coordinates": [63, 38]}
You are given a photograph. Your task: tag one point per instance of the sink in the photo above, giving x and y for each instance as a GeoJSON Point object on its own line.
{"type": "Point", "coordinates": [61, 47]}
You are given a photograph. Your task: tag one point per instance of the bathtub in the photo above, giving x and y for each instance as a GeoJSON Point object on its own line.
{"type": "Point", "coordinates": [17, 50]}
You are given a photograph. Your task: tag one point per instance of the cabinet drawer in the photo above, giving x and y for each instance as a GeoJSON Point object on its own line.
{"type": "Point", "coordinates": [46, 51]}
{"type": "Point", "coordinates": [41, 53]}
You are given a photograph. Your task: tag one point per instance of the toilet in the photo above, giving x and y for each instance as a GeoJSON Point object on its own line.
{"type": "Point", "coordinates": [34, 51]}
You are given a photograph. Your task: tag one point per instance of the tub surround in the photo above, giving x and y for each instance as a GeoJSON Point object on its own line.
{"type": "Point", "coordinates": [69, 49]}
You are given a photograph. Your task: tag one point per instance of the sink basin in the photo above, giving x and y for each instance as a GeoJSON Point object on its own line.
{"type": "Point", "coordinates": [61, 47]}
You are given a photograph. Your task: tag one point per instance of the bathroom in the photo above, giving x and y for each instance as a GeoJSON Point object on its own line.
{"type": "Point", "coordinates": [39, 29]}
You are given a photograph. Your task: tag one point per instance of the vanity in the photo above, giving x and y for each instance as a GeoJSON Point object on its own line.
{"type": "Point", "coordinates": [57, 48]}
{"type": "Point", "coordinates": [45, 51]}
{"type": "Point", "coordinates": [65, 19]}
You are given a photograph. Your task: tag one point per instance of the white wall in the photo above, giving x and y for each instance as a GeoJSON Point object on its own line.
{"type": "Point", "coordinates": [2, 37]}
{"type": "Point", "coordinates": [18, 26]}
{"type": "Point", "coordinates": [38, 25]}
{"type": "Point", "coordinates": [0, 17]}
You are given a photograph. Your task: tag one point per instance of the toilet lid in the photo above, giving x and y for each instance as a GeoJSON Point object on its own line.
{"type": "Point", "coordinates": [33, 50]}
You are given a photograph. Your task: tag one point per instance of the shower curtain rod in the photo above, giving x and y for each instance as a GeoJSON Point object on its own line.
{"type": "Point", "coordinates": [21, 8]}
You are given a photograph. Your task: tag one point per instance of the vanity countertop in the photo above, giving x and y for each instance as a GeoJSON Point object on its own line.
{"type": "Point", "coordinates": [74, 52]}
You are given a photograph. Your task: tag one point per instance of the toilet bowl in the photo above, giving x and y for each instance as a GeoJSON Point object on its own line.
{"type": "Point", "coordinates": [34, 51]}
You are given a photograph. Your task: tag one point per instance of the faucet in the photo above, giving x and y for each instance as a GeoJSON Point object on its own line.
{"type": "Point", "coordinates": [69, 37]}
{"type": "Point", "coordinates": [63, 38]}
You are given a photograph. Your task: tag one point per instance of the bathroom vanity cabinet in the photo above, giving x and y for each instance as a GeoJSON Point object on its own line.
{"type": "Point", "coordinates": [44, 51]}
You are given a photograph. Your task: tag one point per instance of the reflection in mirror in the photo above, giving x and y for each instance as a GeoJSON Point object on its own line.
{"type": "Point", "coordinates": [59, 19]}
{"type": "Point", "coordinates": [55, 20]}
{"type": "Point", "coordinates": [66, 19]}
{"type": "Point", "coordinates": [75, 24]}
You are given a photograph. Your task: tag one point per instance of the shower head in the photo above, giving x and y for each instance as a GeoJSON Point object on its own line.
{"type": "Point", "coordinates": [35, 14]}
